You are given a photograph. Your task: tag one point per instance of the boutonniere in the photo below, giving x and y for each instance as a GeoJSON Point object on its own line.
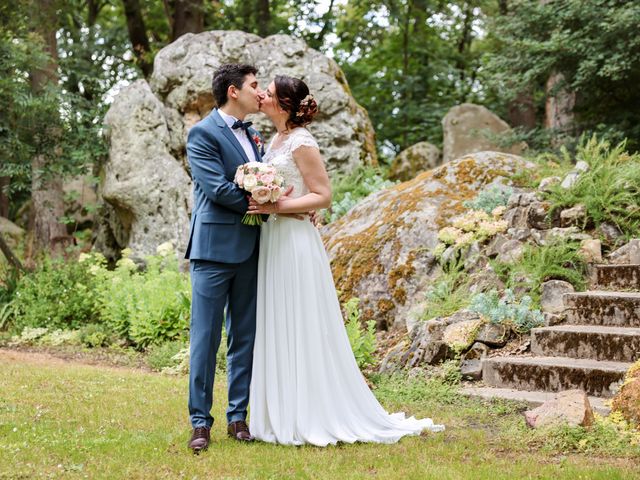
{"type": "Point", "coordinates": [257, 140]}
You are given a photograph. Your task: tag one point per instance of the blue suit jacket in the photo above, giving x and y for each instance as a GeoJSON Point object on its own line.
{"type": "Point", "coordinates": [217, 233]}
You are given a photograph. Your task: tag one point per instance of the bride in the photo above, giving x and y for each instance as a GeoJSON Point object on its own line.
{"type": "Point", "coordinates": [306, 386]}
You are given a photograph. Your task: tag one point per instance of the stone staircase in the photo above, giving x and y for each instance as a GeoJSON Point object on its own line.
{"type": "Point", "coordinates": [591, 351]}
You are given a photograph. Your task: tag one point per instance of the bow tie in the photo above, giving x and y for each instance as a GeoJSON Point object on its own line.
{"type": "Point", "coordinates": [240, 124]}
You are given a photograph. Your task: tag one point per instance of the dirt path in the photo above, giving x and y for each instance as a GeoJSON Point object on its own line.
{"type": "Point", "coordinates": [102, 359]}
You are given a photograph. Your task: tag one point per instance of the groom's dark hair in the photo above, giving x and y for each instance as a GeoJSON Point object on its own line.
{"type": "Point", "coordinates": [227, 75]}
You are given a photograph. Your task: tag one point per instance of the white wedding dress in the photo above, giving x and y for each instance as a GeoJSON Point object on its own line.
{"type": "Point", "coordinates": [306, 386]}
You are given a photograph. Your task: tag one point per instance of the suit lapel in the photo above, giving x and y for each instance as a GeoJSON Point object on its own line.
{"type": "Point", "coordinates": [226, 131]}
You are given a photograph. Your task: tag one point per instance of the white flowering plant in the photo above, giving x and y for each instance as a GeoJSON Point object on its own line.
{"type": "Point", "coordinates": [472, 226]}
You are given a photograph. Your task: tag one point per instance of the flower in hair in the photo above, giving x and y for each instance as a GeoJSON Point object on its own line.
{"type": "Point", "coordinates": [306, 101]}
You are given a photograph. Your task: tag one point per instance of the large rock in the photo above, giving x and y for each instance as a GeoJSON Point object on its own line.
{"type": "Point", "coordinates": [467, 129]}
{"type": "Point", "coordinates": [570, 407]}
{"type": "Point", "coordinates": [380, 251]}
{"type": "Point", "coordinates": [627, 401]}
{"type": "Point", "coordinates": [627, 254]}
{"type": "Point", "coordinates": [553, 291]}
{"type": "Point", "coordinates": [7, 227]}
{"type": "Point", "coordinates": [11, 232]}
{"type": "Point", "coordinates": [142, 182]}
{"type": "Point", "coordinates": [182, 75]}
{"type": "Point", "coordinates": [415, 159]}
{"type": "Point", "coordinates": [428, 343]}
{"type": "Point", "coordinates": [145, 185]}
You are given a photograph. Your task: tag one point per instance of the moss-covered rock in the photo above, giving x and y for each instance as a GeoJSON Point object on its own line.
{"type": "Point", "coordinates": [414, 160]}
{"type": "Point", "coordinates": [627, 401]}
{"type": "Point", "coordinates": [380, 251]}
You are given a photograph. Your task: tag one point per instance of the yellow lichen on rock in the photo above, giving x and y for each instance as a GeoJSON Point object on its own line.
{"type": "Point", "coordinates": [627, 401]}
{"type": "Point", "coordinates": [380, 251]}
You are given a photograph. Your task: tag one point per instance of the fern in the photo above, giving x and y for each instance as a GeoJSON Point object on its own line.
{"type": "Point", "coordinates": [362, 339]}
{"type": "Point", "coordinates": [609, 190]}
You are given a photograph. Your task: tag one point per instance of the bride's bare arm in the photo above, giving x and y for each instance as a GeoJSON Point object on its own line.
{"type": "Point", "coordinates": [311, 165]}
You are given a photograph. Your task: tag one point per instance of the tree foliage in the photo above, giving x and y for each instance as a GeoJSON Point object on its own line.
{"type": "Point", "coordinates": [409, 61]}
{"type": "Point", "coordinates": [596, 47]}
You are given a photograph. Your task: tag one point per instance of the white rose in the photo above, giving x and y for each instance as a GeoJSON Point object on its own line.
{"type": "Point", "coordinates": [250, 182]}
{"type": "Point", "coordinates": [276, 193]}
{"type": "Point", "coordinates": [261, 194]}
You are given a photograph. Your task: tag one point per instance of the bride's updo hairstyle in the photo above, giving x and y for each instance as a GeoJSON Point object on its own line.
{"type": "Point", "coordinates": [293, 97]}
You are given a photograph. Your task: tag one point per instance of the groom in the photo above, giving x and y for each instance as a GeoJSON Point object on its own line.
{"type": "Point", "coordinates": [223, 252]}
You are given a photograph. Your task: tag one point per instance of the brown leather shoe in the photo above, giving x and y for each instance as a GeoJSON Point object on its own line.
{"type": "Point", "coordinates": [200, 439]}
{"type": "Point", "coordinates": [240, 431]}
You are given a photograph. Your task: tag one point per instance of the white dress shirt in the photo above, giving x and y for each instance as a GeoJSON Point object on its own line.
{"type": "Point", "coordinates": [241, 135]}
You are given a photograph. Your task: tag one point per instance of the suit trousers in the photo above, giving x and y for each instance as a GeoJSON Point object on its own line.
{"type": "Point", "coordinates": [214, 286]}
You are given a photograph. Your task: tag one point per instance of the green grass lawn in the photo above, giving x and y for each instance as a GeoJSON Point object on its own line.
{"type": "Point", "coordinates": [69, 420]}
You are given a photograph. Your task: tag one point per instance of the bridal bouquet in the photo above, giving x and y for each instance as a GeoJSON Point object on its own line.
{"type": "Point", "coordinates": [262, 182]}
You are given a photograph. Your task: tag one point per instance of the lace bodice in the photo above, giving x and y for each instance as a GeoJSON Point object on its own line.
{"type": "Point", "coordinates": [282, 159]}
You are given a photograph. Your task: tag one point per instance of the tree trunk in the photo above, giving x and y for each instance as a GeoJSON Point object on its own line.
{"type": "Point", "coordinates": [188, 17]}
{"type": "Point", "coordinates": [138, 35]}
{"type": "Point", "coordinates": [4, 199]}
{"type": "Point", "coordinates": [503, 7]}
{"type": "Point", "coordinates": [93, 10]}
{"type": "Point", "coordinates": [46, 187]}
{"type": "Point", "coordinates": [264, 17]}
{"type": "Point", "coordinates": [522, 111]}
{"type": "Point", "coordinates": [559, 104]}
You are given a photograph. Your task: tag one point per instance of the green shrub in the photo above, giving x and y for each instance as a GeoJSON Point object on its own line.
{"type": "Point", "coordinates": [96, 335]}
{"type": "Point", "coordinates": [57, 295]}
{"type": "Point", "coordinates": [488, 199]}
{"type": "Point", "coordinates": [609, 190]}
{"type": "Point", "coordinates": [506, 310]}
{"type": "Point", "coordinates": [449, 293]}
{"type": "Point", "coordinates": [611, 435]}
{"type": "Point", "coordinates": [546, 165]}
{"type": "Point", "coordinates": [163, 355]}
{"type": "Point", "coordinates": [61, 337]}
{"type": "Point", "coordinates": [29, 336]}
{"type": "Point", "coordinates": [362, 340]}
{"type": "Point", "coordinates": [179, 363]}
{"type": "Point", "coordinates": [149, 307]}
{"type": "Point", "coordinates": [558, 260]}
{"type": "Point", "coordinates": [350, 189]}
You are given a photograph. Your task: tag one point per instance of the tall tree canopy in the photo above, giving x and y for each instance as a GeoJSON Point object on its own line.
{"type": "Point", "coordinates": [409, 61]}
{"type": "Point", "coordinates": [592, 48]}
{"type": "Point", "coordinates": [566, 64]}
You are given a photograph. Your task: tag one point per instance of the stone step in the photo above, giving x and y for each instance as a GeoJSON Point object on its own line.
{"type": "Point", "coordinates": [623, 277]}
{"type": "Point", "coordinates": [617, 344]}
{"type": "Point", "coordinates": [533, 399]}
{"type": "Point", "coordinates": [554, 374]}
{"type": "Point", "coordinates": [597, 307]}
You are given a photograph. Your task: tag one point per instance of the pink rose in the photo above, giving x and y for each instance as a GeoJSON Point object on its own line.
{"type": "Point", "coordinates": [239, 176]}
{"type": "Point", "coordinates": [267, 178]}
{"type": "Point", "coordinates": [261, 194]}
